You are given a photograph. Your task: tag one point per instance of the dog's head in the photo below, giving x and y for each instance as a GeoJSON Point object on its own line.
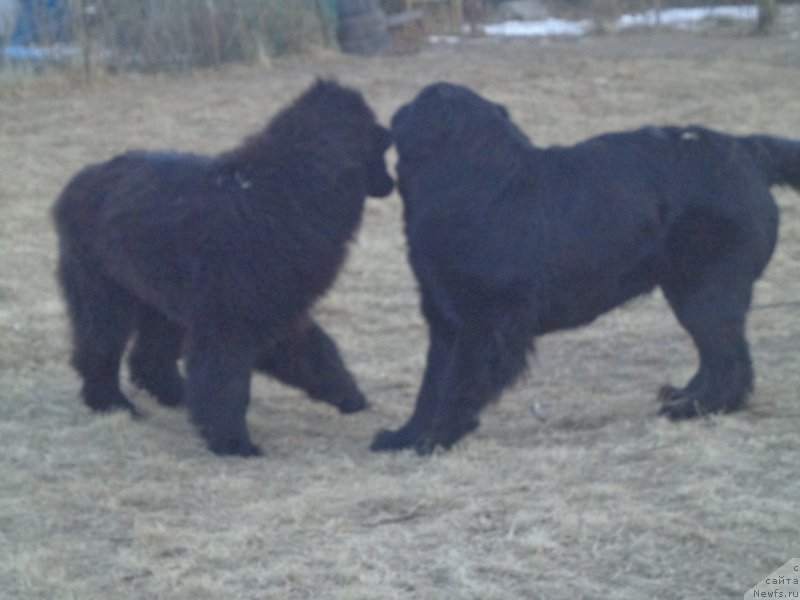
{"type": "Point", "coordinates": [445, 116]}
{"type": "Point", "coordinates": [331, 127]}
{"type": "Point", "coordinates": [343, 113]}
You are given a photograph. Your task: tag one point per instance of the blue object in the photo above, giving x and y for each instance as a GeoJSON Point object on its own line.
{"type": "Point", "coordinates": [41, 21]}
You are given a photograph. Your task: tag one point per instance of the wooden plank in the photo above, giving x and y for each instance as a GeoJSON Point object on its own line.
{"type": "Point", "coordinates": [404, 18]}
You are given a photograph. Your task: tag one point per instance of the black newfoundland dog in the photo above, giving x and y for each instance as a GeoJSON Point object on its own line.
{"type": "Point", "coordinates": [509, 241]}
{"type": "Point", "coordinates": [219, 259]}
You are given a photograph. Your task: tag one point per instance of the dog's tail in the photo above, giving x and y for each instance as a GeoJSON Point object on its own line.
{"type": "Point", "coordinates": [779, 158]}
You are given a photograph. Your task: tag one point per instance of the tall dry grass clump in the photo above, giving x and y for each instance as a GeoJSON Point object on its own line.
{"type": "Point", "coordinates": [178, 35]}
{"type": "Point", "coordinates": [175, 35]}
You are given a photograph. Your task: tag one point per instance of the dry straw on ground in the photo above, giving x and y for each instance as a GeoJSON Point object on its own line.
{"type": "Point", "coordinates": [602, 500]}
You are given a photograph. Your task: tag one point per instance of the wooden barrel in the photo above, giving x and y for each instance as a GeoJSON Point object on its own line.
{"type": "Point", "coordinates": [362, 27]}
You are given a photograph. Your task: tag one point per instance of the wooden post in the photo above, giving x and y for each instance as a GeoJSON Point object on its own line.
{"type": "Point", "coordinates": [81, 31]}
{"type": "Point", "coordinates": [767, 15]}
{"type": "Point", "coordinates": [457, 15]}
{"type": "Point", "coordinates": [213, 26]}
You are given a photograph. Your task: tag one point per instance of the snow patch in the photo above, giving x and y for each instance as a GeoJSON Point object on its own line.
{"type": "Point", "coordinates": [678, 18]}
{"type": "Point", "coordinates": [540, 28]}
{"type": "Point", "coordinates": [684, 18]}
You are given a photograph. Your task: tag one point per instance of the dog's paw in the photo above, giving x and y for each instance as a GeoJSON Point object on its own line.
{"type": "Point", "coordinates": [387, 440]}
{"type": "Point", "coordinates": [669, 393]}
{"type": "Point", "coordinates": [424, 441]}
{"type": "Point", "coordinates": [446, 437]}
{"type": "Point", "coordinates": [682, 404]}
{"type": "Point", "coordinates": [426, 445]}
{"type": "Point", "coordinates": [234, 447]}
{"type": "Point", "coordinates": [351, 404]}
{"type": "Point", "coordinates": [423, 444]}
{"type": "Point", "coordinates": [677, 404]}
{"type": "Point", "coordinates": [679, 408]}
{"type": "Point", "coordinates": [110, 402]}
{"type": "Point", "coordinates": [690, 406]}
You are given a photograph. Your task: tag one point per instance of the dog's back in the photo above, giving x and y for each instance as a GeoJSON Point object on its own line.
{"type": "Point", "coordinates": [126, 181]}
{"type": "Point", "coordinates": [684, 154]}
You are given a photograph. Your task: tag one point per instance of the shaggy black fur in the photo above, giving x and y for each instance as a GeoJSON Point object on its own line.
{"type": "Point", "coordinates": [220, 259]}
{"type": "Point", "coordinates": [509, 241]}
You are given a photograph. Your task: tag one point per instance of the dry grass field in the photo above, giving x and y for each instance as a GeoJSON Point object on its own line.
{"type": "Point", "coordinates": [602, 499]}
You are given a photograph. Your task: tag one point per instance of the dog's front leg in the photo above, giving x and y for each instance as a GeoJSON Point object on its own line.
{"type": "Point", "coordinates": [218, 370]}
{"type": "Point", "coordinates": [414, 434]}
{"type": "Point", "coordinates": [310, 360]}
{"type": "Point", "coordinates": [465, 388]}
{"type": "Point", "coordinates": [488, 356]}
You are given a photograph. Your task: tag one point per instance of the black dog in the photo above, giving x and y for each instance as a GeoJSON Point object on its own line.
{"type": "Point", "coordinates": [509, 241]}
{"type": "Point", "coordinates": [220, 258]}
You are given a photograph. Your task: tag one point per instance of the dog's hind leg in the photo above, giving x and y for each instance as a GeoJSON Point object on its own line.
{"type": "Point", "coordinates": [153, 358]}
{"type": "Point", "coordinates": [101, 314]}
{"type": "Point", "coordinates": [714, 312]}
{"type": "Point", "coordinates": [309, 359]}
